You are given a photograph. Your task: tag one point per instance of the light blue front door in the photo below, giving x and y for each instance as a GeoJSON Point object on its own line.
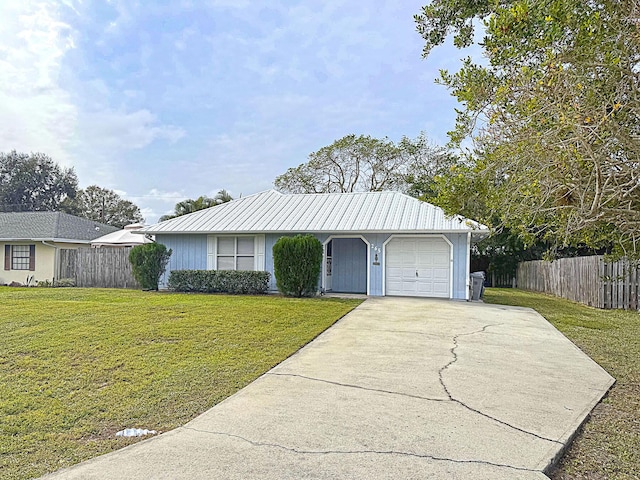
{"type": "Point", "coordinates": [349, 265]}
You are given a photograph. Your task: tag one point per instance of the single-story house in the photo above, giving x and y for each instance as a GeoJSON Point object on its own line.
{"type": "Point", "coordinates": [377, 243]}
{"type": "Point", "coordinates": [31, 241]}
{"type": "Point", "coordinates": [122, 238]}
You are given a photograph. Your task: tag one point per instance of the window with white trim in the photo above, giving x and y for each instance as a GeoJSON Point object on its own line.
{"type": "Point", "coordinates": [20, 257]}
{"type": "Point", "coordinates": [235, 253]}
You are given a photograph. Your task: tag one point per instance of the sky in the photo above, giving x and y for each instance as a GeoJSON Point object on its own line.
{"type": "Point", "coordinates": [167, 100]}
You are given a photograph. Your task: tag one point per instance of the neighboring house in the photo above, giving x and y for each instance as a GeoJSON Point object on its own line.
{"type": "Point", "coordinates": [122, 238]}
{"type": "Point", "coordinates": [378, 243]}
{"type": "Point", "coordinates": [31, 240]}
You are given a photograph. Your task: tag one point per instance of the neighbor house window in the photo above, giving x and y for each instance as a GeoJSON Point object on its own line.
{"type": "Point", "coordinates": [236, 253]}
{"type": "Point", "coordinates": [19, 257]}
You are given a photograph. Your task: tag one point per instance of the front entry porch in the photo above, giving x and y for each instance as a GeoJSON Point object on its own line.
{"type": "Point", "coordinates": [345, 265]}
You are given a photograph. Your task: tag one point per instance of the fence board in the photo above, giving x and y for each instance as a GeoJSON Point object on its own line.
{"type": "Point", "coordinates": [501, 281]}
{"type": "Point", "coordinates": [97, 267]}
{"type": "Point", "coordinates": [589, 280]}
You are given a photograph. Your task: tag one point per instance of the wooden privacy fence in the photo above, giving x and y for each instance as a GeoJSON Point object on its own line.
{"type": "Point", "coordinates": [589, 280]}
{"type": "Point", "coordinates": [501, 280]}
{"type": "Point", "coordinates": [97, 267]}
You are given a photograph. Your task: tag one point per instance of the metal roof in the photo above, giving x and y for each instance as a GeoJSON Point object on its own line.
{"type": "Point", "coordinates": [272, 211]}
{"type": "Point", "coordinates": [50, 226]}
{"type": "Point", "coordinates": [122, 238]}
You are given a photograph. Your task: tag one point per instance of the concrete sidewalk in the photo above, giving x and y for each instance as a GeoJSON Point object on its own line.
{"type": "Point", "coordinates": [399, 388]}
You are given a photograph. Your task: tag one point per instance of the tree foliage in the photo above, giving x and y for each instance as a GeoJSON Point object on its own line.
{"type": "Point", "coordinates": [297, 262]}
{"type": "Point", "coordinates": [148, 263]}
{"type": "Point", "coordinates": [365, 164]}
{"type": "Point", "coordinates": [189, 206]}
{"type": "Point", "coordinates": [554, 117]}
{"type": "Point", "coordinates": [105, 206]}
{"type": "Point", "coordinates": [34, 182]}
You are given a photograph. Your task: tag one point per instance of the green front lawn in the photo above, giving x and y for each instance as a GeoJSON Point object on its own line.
{"type": "Point", "coordinates": [77, 365]}
{"type": "Point", "coordinates": [609, 445]}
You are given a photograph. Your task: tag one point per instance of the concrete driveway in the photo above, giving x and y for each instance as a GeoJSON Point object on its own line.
{"type": "Point", "coordinates": [399, 388]}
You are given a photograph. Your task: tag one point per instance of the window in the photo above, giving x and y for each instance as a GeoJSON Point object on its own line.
{"type": "Point", "coordinates": [19, 257]}
{"type": "Point", "coordinates": [236, 253]}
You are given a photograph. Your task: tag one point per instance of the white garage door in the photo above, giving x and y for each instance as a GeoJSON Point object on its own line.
{"type": "Point", "coordinates": [418, 267]}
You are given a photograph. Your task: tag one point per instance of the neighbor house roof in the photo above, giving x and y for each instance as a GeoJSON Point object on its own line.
{"type": "Point", "coordinates": [122, 238]}
{"type": "Point", "coordinates": [50, 226]}
{"type": "Point", "coordinates": [272, 211]}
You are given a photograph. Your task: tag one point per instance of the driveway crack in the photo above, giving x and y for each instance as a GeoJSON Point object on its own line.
{"type": "Point", "coordinates": [359, 387]}
{"type": "Point", "coordinates": [256, 443]}
{"type": "Point", "coordinates": [474, 410]}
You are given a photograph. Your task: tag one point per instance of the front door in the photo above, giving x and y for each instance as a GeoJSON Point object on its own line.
{"type": "Point", "coordinates": [348, 265]}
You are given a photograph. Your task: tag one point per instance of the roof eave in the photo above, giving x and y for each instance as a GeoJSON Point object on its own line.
{"type": "Point", "coordinates": [57, 240]}
{"type": "Point", "coordinates": [478, 231]}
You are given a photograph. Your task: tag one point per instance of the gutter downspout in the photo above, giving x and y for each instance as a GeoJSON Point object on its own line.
{"type": "Point", "coordinates": [56, 260]}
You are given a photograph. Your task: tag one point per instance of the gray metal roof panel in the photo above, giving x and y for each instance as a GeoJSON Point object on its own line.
{"type": "Point", "coordinates": [272, 211]}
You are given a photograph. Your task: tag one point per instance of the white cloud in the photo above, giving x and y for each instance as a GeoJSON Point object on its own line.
{"type": "Point", "coordinates": [113, 130]}
{"type": "Point", "coordinates": [45, 106]}
{"type": "Point", "coordinates": [36, 113]}
{"type": "Point", "coordinates": [155, 202]}
{"type": "Point", "coordinates": [186, 95]}
{"type": "Point", "coordinates": [166, 196]}
{"type": "Point", "coordinates": [149, 213]}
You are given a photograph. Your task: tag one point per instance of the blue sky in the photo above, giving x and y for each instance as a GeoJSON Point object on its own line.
{"type": "Point", "coordinates": [166, 100]}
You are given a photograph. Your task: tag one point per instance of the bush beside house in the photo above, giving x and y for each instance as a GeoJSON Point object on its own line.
{"type": "Point", "coordinates": [219, 281]}
{"type": "Point", "coordinates": [148, 263]}
{"type": "Point", "coordinates": [297, 263]}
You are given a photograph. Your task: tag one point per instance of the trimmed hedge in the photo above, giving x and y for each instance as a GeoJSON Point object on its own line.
{"type": "Point", "coordinates": [297, 262]}
{"type": "Point", "coordinates": [219, 281]}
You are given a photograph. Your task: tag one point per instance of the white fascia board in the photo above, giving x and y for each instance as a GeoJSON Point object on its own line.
{"type": "Point", "coordinates": [69, 240]}
{"type": "Point", "coordinates": [48, 239]}
{"type": "Point", "coordinates": [329, 232]}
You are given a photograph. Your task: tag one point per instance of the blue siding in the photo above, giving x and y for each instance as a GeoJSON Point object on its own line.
{"type": "Point", "coordinates": [459, 241]}
{"type": "Point", "coordinates": [189, 253]}
{"type": "Point", "coordinates": [376, 240]}
{"type": "Point", "coordinates": [349, 265]}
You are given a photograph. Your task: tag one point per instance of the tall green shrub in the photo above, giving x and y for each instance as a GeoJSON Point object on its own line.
{"type": "Point", "coordinates": [297, 262]}
{"type": "Point", "coordinates": [148, 263]}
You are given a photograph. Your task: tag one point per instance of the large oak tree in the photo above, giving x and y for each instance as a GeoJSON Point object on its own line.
{"type": "Point", "coordinates": [366, 164]}
{"type": "Point", "coordinates": [34, 182]}
{"type": "Point", "coordinates": [104, 205]}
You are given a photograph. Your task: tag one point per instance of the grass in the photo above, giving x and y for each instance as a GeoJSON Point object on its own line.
{"type": "Point", "coordinates": [77, 365]}
{"type": "Point", "coordinates": [608, 447]}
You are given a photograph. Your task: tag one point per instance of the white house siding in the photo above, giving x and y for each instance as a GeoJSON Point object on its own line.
{"type": "Point", "coordinates": [46, 258]}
